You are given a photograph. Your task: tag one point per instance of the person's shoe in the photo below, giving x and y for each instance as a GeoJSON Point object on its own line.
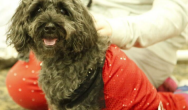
{"type": "Point", "coordinates": [6, 63]}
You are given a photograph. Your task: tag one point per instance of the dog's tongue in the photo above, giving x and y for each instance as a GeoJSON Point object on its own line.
{"type": "Point", "coordinates": [49, 41]}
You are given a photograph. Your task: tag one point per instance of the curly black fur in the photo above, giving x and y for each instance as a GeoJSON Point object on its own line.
{"type": "Point", "coordinates": [76, 51]}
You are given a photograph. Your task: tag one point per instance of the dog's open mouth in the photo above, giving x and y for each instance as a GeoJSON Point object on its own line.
{"type": "Point", "coordinates": [50, 42]}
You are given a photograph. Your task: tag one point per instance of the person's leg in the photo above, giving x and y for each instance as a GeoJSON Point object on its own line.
{"type": "Point", "coordinates": [23, 86]}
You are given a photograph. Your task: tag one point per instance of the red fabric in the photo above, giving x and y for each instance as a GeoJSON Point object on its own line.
{"type": "Point", "coordinates": [125, 86]}
{"type": "Point", "coordinates": [23, 87]}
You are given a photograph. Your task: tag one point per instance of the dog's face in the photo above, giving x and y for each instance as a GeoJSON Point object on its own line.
{"type": "Point", "coordinates": [52, 26]}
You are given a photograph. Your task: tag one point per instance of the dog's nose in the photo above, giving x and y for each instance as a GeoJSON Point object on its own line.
{"type": "Point", "coordinates": [50, 27]}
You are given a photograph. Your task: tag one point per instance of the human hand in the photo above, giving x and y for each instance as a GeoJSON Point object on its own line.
{"type": "Point", "coordinates": [103, 27]}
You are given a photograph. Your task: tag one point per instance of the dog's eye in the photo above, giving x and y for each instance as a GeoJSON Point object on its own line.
{"type": "Point", "coordinates": [63, 11]}
{"type": "Point", "coordinates": [39, 9]}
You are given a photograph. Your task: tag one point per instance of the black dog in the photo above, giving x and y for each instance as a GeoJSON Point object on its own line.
{"type": "Point", "coordinates": [62, 35]}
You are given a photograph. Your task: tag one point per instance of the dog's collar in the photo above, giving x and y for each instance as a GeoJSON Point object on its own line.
{"type": "Point", "coordinates": [92, 81]}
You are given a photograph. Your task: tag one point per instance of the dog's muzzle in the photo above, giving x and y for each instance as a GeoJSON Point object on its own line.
{"type": "Point", "coordinates": [50, 38]}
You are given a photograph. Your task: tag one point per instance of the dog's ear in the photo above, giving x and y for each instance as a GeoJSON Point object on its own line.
{"type": "Point", "coordinates": [17, 32]}
{"type": "Point", "coordinates": [86, 34]}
